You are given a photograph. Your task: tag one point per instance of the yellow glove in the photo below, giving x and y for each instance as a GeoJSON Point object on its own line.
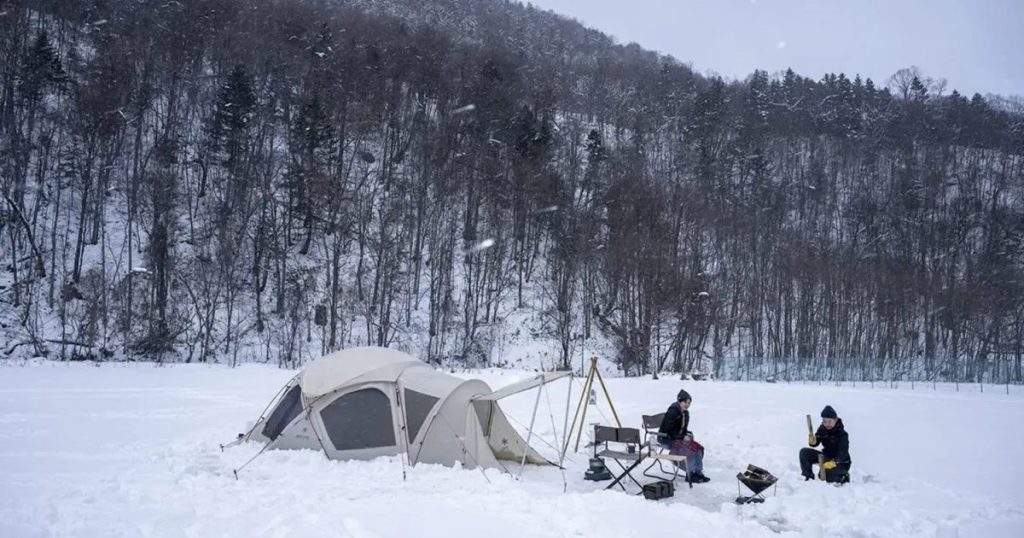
{"type": "Point", "coordinates": [829, 465]}
{"type": "Point", "coordinates": [812, 440]}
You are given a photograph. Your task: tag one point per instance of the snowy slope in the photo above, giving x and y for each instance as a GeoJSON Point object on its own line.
{"type": "Point", "coordinates": [132, 450]}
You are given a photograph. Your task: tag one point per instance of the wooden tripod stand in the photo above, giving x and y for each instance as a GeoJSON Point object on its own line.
{"type": "Point", "coordinates": [581, 408]}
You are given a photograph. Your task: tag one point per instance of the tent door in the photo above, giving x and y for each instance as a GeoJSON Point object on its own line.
{"type": "Point", "coordinates": [362, 422]}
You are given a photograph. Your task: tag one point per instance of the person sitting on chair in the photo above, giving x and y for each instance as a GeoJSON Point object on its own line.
{"type": "Point", "coordinates": [674, 436]}
{"type": "Point", "coordinates": [835, 449]}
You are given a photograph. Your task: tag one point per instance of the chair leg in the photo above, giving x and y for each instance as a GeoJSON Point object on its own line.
{"type": "Point", "coordinates": [661, 468]}
{"type": "Point", "coordinates": [618, 478]}
{"type": "Point", "coordinates": [626, 472]}
{"type": "Point", "coordinates": [648, 468]}
{"type": "Point", "coordinates": [673, 475]}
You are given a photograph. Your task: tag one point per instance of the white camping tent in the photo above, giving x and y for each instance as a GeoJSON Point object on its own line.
{"type": "Point", "coordinates": [366, 402]}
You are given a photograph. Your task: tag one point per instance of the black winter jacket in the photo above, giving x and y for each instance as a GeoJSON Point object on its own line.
{"type": "Point", "coordinates": [835, 443]}
{"type": "Point", "coordinates": [673, 426]}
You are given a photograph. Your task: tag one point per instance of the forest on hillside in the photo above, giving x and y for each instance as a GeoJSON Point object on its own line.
{"type": "Point", "coordinates": [270, 180]}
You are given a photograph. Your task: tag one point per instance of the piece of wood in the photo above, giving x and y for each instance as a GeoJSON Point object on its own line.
{"type": "Point", "coordinates": [587, 384]}
{"type": "Point", "coordinates": [581, 408]}
{"type": "Point", "coordinates": [593, 366]}
{"type": "Point", "coordinates": [821, 457]}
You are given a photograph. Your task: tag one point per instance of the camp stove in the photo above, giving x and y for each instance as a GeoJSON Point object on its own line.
{"type": "Point", "coordinates": [597, 471]}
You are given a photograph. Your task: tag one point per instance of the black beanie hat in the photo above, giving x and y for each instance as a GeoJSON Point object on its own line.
{"type": "Point", "coordinates": [683, 395]}
{"type": "Point", "coordinates": [828, 412]}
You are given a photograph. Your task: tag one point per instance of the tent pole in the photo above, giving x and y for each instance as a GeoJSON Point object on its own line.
{"type": "Point", "coordinates": [466, 448]}
{"type": "Point", "coordinates": [399, 397]}
{"type": "Point", "coordinates": [554, 429]}
{"type": "Point", "coordinates": [583, 403]}
{"type": "Point", "coordinates": [246, 464]}
{"type": "Point", "coordinates": [593, 365]}
{"type": "Point", "coordinates": [309, 411]}
{"type": "Point", "coordinates": [583, 395]}
{"type": "Point", "coordinates": [267, 444]}
{"type": "Point", "coordinates": [565, 424]}
{"type": "Point", "coordinates": [529, 431]}
{"type": "Point", "coordinates": [263, 414]}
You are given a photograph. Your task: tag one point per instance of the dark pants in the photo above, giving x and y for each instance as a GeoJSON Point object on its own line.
{"type": "Point", "coordinates": [809, 457]}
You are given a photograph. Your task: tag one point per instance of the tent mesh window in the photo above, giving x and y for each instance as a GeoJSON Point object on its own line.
{"type": "Point", "coordinates": [360, 419]}
{"type": "Point", "coordinates": [417, 407]}
{"type": "Point", "coordinates": [287, 409]}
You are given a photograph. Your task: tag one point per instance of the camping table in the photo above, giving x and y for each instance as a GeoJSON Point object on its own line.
{"type": "Point", "coordinates": [676, 460]}
{"type": "Point", "coordinates": [634, 459]}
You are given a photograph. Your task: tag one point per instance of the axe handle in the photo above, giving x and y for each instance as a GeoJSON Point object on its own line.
{"type": "Point", "coordinates": [821, 457]}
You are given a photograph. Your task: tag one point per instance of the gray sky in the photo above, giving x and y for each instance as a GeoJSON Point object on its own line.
{"type": "Point", "coordinates": [976, 45]}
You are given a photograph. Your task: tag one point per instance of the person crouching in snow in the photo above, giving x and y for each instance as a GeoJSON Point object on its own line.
{"type": "Point", "coordinates": [835, 447]}
{"type": "Point", "coordinates": [674, 436]}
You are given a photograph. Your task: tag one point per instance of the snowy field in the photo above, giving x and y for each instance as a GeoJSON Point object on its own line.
{"type": "Point", "coordinates": [132, 450]}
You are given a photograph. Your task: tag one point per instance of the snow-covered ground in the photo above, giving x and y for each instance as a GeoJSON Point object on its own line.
{"type": "Point", "coordinates": [132, 450]}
